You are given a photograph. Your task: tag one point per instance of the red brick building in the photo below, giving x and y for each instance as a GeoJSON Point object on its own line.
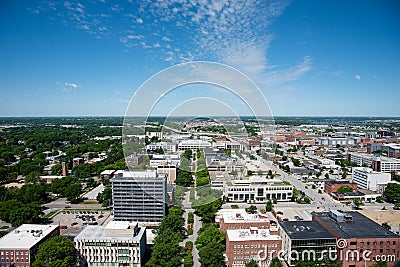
{"type": "Point", "coordinates": [242, 245]}
{"type": "Point", "coordinates": [361, 241]}
{"type": "Point", "coordinates": [19, 247]}
{"type": "Point", "coordinates": [333, 186]}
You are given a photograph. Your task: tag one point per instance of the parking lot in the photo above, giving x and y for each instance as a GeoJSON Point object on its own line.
{"type": "Point", "coordinates": [72, 221]}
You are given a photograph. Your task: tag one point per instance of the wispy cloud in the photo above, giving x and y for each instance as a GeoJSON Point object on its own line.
{"type": "Point", "coordinates": [68, 87]}
{"type": "Point", "coordinates": [357, 77]}
{"type": "Point", "coordinates": [235, 32]}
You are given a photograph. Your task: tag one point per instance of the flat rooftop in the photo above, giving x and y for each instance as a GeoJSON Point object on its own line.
{"type": "Point", "coordinates": [26, 236]}
{"type": "Point", "coordinates": [305, 230]}
{"type": "Point", "coordinates": [246, 235]}
{"type": "Point", "coordinates": [99, 233]}
{"type": "Point", "coordinates": [359, 227]}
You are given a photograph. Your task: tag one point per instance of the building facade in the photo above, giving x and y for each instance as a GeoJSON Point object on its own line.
{"type": "Point", "coordinates": [258, 189]}
{"type": "Point", "coordinates": [334, 186]}
{"type": "Point", "coordinates": [385, 164]}
{"type": "Point", "coordinates": [366, 178]}
{"type": "Point", "coordinates": [19, 247]}
{"type": "Point", "coordinates": [357, 235]}
{"type": "Point", "coordinates": [305, 241]}
{"type": "Point", "coordinates": [243, 245]}
{"type": "Point", "coordinates": [116, 244]}
{"type": "Point", "coordinates": [139, 196]}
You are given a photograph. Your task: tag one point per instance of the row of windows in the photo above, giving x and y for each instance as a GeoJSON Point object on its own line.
{"type": "Point", "coordinates": [12, 259]}
{"type": "Point", "coordinates": [110, 244]}
{"type": "Point", "coordinates": [381, 243]}
{"type": "Point", "coordinates": [12, 253]}
{"type": "Point", "coordinates": [256, 246]}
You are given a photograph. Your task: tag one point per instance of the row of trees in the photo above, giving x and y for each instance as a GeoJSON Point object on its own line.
{"type": "Point", "coordinates": [166, 250]}
{"type": "Point", "coordinates": [211, 245]}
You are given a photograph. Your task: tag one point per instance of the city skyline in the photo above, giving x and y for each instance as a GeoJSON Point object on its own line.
{"type": "Point", "coordinates": [84, 58]}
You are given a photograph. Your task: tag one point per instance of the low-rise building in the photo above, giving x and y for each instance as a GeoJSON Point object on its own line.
{"type": "Point", "coordinates": [360, 241]}
{"type": "Point", "coordinates": [19, 247]}
{"type": "Point", "coordinates": [361, 159]}
{"type": "Point", "coordinates": [366, 178]}
{"type": "Point", "coordinates": [385, 164]}
{"type": "Point", "coordinates": [134, 160]}
{"type": "Point", "coordinates": [158, 159]}
{"type": "Point", "coordinates": [167, 147]}
{"type": "Point", "coordinates": [233, 219]}
{"type": "Point", "coordinates": [193, 144]}
{"type": "Point", "coordinates": [243, 245]}
{"type": "Point", "coordinates": [258, 189]}
{"type": "Point", "coordinates": [334, 186]}
{"type": "Point", "coordinates": [305, 241]}
{"type": "Point", "coordinates": [119, 243]}
{"type": "Point", "coordinates": [169, 168]}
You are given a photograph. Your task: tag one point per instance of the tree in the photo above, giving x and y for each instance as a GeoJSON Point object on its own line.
{"type": "Point", "coordinates": [345, 189]}
{"type": "Point", "coordinates": [275, 262]}
{"type": "Point", "coordinates": [57, 251]}
{"type": "Point", "coordinates": [105, 197]}
{"type": "Point", "coordinates": [212, 255]}
{"type": "Point", "coordinates": [166, 250]}
{"type": "Point", "coordinates": [380, 199]}
{"type": "Point", "coordinates": [380, 264]}
{"type": "Point", "coordinates": [252, 209]}
{"type": "Point", "coordinates": [269, 206]}
{"type": "Point", "coordinates": [30, 193]}
{"type": "Point", "coordinates": [184, 178]}
{"type": "Point", "coordinates": [211, 246]}
{"type": "Point", "coordinates": [326, 176]}
{"type": "Point", "coordinates": [25, 214]}
{"type": "Point", "coordinates": [386, 225]}
{"type": "Point", "coordinates": [392, 193]}
{"type": "Point", "coordinates": [252, 263]}
{"type": "Point", "coordinates": [72, 192]}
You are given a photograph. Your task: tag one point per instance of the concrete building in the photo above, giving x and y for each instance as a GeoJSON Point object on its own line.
{"type": "Point", "coordinates": [193, 144]}
{"type": "Point", "coordinates": [392, 150]}
{"type": "Point", "coordinates": [167, 147]}
{"type": "Point", "coordinates": [170, 169]}
{"type": "Point", "coordinates": [366, 178]}
{"type": "Point", "coordinates": [159, 159]}
{"type": "Point", "coordinates": [50, 178]}
{"type": "Point", "coordinates": [134, 160]}
{"type": "Point", "coordinates": [116, 244]}
{"type": "Point", "coordinates": [305, 240]}
{"type": "Point", "coordinates": [242, 245]}
{"type": "Point", "coordinates": [19, 247]}
{"type": "Point", "coordinates": [356, 235]}
{"type": "Point", "coordinates": [139, 196]}
{"type": "Point", "coordinates": [334, 141]}
{"type": "Point", "coordinates": [361, 159]}
{"type": "Point", "coordinates": [258, 189]}
{"type": "Point", "coordinates": [385, 164]}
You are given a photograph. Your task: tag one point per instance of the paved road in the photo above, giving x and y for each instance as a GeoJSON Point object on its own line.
{"type": "Point", "coordinates": [324, 201]}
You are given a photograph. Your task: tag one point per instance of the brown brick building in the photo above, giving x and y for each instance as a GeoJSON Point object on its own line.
{"type": "Point", "coordinates": [242, 245]}
{"type": "Point", "coordinates": [19, 247]}
{"type": "Point", "coordinates": [333, 186]}
{"type": "Point", "coordinates": [361, 241]}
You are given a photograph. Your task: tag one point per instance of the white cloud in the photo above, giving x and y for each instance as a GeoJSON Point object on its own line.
{"type": "Point", "coordinates": [68, 87]}
{"type": "Point", "coordinates": [235, 32]}
{"type": "Point", "coordinates": [357, 77]}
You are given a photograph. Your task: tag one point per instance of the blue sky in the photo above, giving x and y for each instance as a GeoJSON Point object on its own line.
{"type": "Point", "coordinates": [313, 58]}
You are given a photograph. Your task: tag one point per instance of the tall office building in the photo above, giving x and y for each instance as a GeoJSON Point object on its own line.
{"type": "Point", "coordinates": [139, 196]}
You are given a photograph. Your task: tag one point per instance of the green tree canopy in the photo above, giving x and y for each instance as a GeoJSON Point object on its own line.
{"type": "Point", "coordinates": [57, 251]}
